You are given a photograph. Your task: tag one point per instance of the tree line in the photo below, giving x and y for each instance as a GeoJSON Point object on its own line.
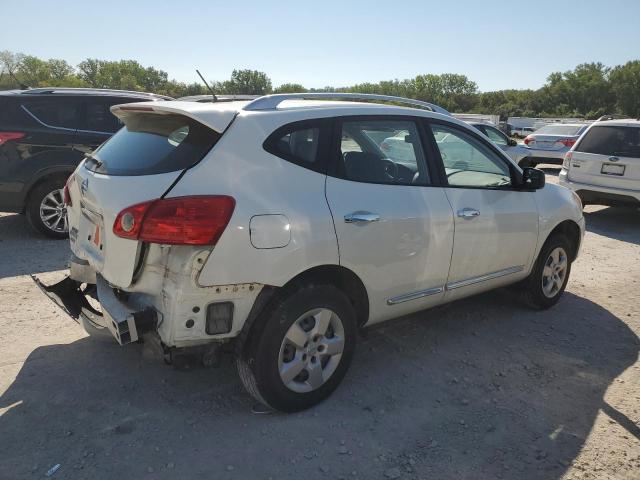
{"type": "Point", "coordinates": [588, 91]}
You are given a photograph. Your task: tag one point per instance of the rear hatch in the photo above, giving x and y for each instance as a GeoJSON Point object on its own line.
{"type": "Point", "coordinates": [554, 137]}
{"type": "Point", "coordinates": [139, 163]}
{"type": "Point", "coordinates": [608, 156]}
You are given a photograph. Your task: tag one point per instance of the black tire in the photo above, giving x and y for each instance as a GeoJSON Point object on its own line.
{"type": "Point", "coordinates": [258, 356]}
{"type": "Point", "coordinates": [532, 287]}
{"type": "Point", "coordinates": [36, 196]}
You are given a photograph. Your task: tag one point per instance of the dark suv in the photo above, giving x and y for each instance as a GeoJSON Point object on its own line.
{"type": "Point", "coordinates": [44, 134]}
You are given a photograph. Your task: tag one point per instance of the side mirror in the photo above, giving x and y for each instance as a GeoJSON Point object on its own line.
{"type": "Point", "coordinates": [512, 143]}
{"type": "Point", "coordinates": [533, 178]}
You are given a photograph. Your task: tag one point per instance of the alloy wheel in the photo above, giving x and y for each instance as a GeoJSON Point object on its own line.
{"type": "Point", "coordinates": [53, 212]}
{"type": "Point", "coordinates": [554, 272]}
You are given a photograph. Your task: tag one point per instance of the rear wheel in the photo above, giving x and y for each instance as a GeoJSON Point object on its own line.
{"type": "Point", "coordinates": [548, 280]}
{"type": "Point", "coordinates": [300, 348]}
{"type": "Point", "coordinates": [46, 211]}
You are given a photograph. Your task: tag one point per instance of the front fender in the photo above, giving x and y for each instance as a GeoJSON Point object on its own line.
{"type": "Point", "coordinates": [556, 204]}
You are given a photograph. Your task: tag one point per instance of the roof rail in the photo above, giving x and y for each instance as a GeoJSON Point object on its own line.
{"type": "Point", "coordinates": [39, 90]}
{"type": "Point", "coordinates": [271, 102]}
{"type": "Point", "coordinates": [220, 98]}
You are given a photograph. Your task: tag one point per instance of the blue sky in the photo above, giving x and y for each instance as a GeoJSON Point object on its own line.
{"type": "Point", "coordinates": [498, 44]}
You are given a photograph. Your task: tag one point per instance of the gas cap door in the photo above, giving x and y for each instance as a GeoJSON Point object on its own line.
{"type": "Point", "coordinates": [269, 231]}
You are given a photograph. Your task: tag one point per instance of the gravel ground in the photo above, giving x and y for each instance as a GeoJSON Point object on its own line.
{"type": "Point", "coordinates": [482, 388]}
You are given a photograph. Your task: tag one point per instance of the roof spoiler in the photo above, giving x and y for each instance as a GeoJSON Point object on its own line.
{"type": "Point", "coordinates": [271, 102]}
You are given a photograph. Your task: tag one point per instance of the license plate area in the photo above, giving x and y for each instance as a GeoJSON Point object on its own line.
{"type": "Point", "coordinates": [91, 237]}
{"type": "Point", "coordinates": [611, 169]}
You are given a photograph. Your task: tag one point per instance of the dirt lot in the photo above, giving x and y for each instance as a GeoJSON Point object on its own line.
{"type": "Point", "coordinates": [482, 388]}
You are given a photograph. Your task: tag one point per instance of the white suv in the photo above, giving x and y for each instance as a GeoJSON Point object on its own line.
{"type": "Point", "coordinates": [280, 226]}
{"type": "Point", "coordinates": [603, 167]}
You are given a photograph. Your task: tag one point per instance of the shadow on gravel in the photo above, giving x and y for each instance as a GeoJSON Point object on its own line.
{"type": "Point", "coordinates": [23, 252]}
{"type": "Point", "coordinates": [481, 388]}
{"type": "Point", "coordinates": [620, 223]}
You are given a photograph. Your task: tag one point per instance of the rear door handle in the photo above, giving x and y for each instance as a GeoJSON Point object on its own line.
{"type": "Point", "coordinates": [468, 213]}
{"type": "Point", "coordinates": [361, 217]}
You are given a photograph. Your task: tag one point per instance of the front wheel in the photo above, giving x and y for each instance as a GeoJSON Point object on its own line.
{"type": "Point", "coordinates": [300, 348]}
{"type": "Point", "coordinates": [548, 280]}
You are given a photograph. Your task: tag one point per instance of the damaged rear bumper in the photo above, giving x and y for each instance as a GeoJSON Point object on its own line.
{"type": "Point", "coordinates": [126, 324]}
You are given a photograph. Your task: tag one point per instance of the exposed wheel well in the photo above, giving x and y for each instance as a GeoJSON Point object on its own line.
{"type": "Point", "coordinates": [571, 230]}
{"type": "Point", "coordinates": [344, 279]}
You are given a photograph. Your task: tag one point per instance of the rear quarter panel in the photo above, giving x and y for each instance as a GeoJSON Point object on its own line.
{"type": "Point", "coordinates": [261, 184]}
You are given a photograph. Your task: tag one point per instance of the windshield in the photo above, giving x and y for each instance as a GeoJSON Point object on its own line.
{"type": "Point", "coordinates": [151, 143]}
{"type": "Point", "coordinates": [568, 130]}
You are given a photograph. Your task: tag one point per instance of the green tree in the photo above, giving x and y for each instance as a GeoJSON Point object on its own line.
{"type": "Point", "coordinates": [290, 88]}
{"type": "Point", "coordinates": [625, 84]}
{"type": "Point", "coordinates": [247, 82]}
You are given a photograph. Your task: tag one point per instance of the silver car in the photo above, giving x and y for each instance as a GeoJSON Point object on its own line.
{"type": "Point", "coordinates": [550, 143]}
{"type": "Point", "coordinates": [519, 153]}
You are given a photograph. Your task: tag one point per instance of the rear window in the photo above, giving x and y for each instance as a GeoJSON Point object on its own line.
{"type": "Point", "coordinates": [150, 143]}
{"type": "Point", "coordinates": [619, 141]}
{"type": "Point", "coordinates": [569, 130]}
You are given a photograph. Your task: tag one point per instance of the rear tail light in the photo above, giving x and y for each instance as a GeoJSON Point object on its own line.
{"type": "Point", "coordinates": [528, 139]}
{"type": "Point", "coordinates": [566, 163]}
{"type": "Point", "coordinates": [194, 220]}
{"type": "Point", "coordinates": [66, 195]}
{"type": "Point", "coordinates": [568, 142]}
{"type": "Point", "coordinates": [6, 136]}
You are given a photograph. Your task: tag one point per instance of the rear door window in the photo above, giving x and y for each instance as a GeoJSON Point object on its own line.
{"type": "Point", "coordinates": [153, 143]}
{"type": "Point", "coordinates": [611, 140]}
{"type": "Point", "coordinates": [59, 112]}
{"type": "Point", "coordinates": [384, 150]}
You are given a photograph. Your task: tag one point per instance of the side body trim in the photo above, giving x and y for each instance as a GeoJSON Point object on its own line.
{"type": "Point", "coordinates": [415, 295]}
{"type": "Point", "coordinates": [453, 285]}
{"type": "Point", "coordinates": [484, 278]}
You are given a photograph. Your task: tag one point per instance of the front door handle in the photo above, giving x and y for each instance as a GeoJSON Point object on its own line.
{"type": "Point", "coordinates": [468, 213]}
{"type": "Point", "coordinates": [361, 217]}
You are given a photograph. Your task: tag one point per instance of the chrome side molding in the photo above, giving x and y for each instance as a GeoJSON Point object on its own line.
{"type": "Point", "coordinates": [484, 278]}
{"type": "Point", "coordinates": [453, 285]}
{"type": "Point", "coordinates": [415, 295]}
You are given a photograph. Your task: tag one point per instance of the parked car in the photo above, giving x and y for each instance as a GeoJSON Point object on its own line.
{"type": "Point", "coordinates": [44, 134]}
{"type": "Point", "coordinates": [550, 143]}
{"type": "Point", "coordinates": [517, 152]}
{"type": "Point", "coordinates": [603, 167]}
{"type": "Point", "coordinates": [280, 227]}
{"type": "Point", "coordinates": [521, 132]}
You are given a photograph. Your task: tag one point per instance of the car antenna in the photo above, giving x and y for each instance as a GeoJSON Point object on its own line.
{"type": "Point", "coordinates": [215, 99]}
